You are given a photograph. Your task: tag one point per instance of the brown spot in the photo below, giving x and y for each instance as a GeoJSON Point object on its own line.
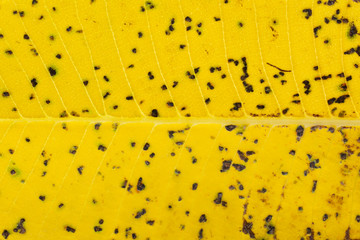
{"type": "Point", "coordinates": [247, 228]}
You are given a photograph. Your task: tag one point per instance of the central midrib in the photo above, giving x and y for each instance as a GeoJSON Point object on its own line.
{"type": "Point", "coordinates": [238, 121]}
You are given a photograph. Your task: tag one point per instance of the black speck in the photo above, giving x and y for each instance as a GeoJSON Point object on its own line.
{"type": "Point", "coordinates": [313, 189]}
{"type": "Point", "coordinates": [230, 127]}
{"type": "Point", "coordinates": [70, 229]}
{"type": "Point", "coordinates": [260, 106]}
{"type": "Point", "coordinates": [80, 169]}
{"type": "Point", "coordinates": [154, 113]}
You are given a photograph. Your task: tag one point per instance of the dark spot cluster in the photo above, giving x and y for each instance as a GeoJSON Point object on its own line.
{"type": "Point", "coordinates": [308, 12]}
{"type": "Point", "coordinates": [218, 200]}
{"type": "Point", "coordinates": [307, 87]}
{"type": "Point", "coordinates": [20, 227]}
{"type": "Point", "coordinates": [198, 26]}
{"type": "Point", "coordinates": [148, 6]}
{"type": "Point", "coordinates": [248, 87]}
{"type": "Point", "coordinates": [191, 75]}
{"type": "Point", "coordinates": [316, 30]}
{"type": "Point", "coordinates": [171, 27]}
{"type": "Point", "coordinates": [140, 213]}
{"type": "Point", "coordinates": [73, 149]}
{"type": "Point", "coordinates": [340, 99]}
{"type": "Point", "coordinates": [353, 50]}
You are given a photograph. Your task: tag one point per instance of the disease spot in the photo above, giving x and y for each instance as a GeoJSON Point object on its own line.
{"type": "Point", "coordinates": [202, 218]}
{"type": "Point", "coordinates": [102, 148]}
{"type": "Point", "coordinates": [299, 131]}
{"type": "Point", "coordinates": [106, 95]}
{"type": "Point", "coordinates": [154, 113]}
{"type": "Point", "coordinates": [308, 13]}
{"type": "Point", "coordinates": [52, 71]}
{"type": "Point", "coordinates": [353, 30]}
{"type": "Point", "coordinates": [217, 200]}
{"type": "Point", "coordinates": [97, 229]}
{"type": "Point", "coordinates": [239, 167]}
{"type": "Point", "coordinates": [230, 127]}
{"type": "Point", "coordinates": [343, 156]}
{"type": "Point", "coordinates": [70, 229]}
{"type": "Point", "coordinates": [26, 37]}
{"type": "Point", "coordinates": [42, 197]}
{"type": "Point", "coordinates": [140, 213]}
{"type": "Point", "coordinates": [80, 169]}
{"type": "Point", "coordinates": [316, 29]}
{"type": "Point", "coordinates": [140, 185]}
{"type": "Point", "coordinates": [146, 146]}
{"type": "Point", "coordinates": [150, 75]}
{"type": "Point", "coordinates": [5, 234]}
{"type": "Point", "coordinates": [267, 90]}
{"type": "Point", "coordinates": [6, 94]}
{"type": "Point", "coordinates": [226, 165]}
{"type": "Point", "coordinates": [68, 29]}
{"type": "Point", "coordinates": [73, 149]}
{"type": "Point", "coordinates": [9, 52]}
